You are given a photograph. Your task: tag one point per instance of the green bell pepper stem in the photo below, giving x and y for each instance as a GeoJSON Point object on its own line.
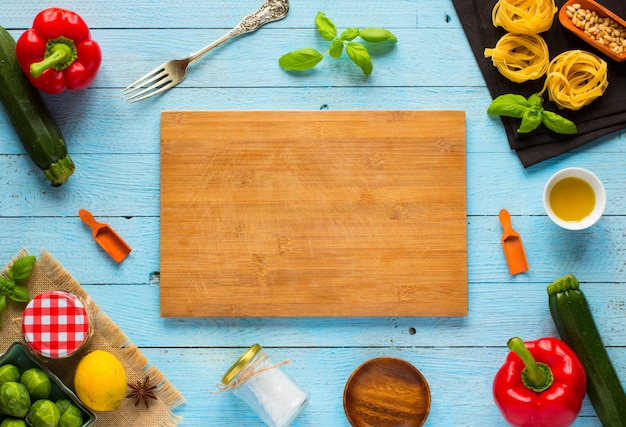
{"type": "Point", "coordinates": [60, 54]}
{"type": "Point", "coordinates": [535, 376]}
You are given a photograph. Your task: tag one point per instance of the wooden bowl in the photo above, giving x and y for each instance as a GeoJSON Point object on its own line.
{"type": "Point", "coordinates": [602, 12]}
{"type": "Point", "coordinates": [385, 392]}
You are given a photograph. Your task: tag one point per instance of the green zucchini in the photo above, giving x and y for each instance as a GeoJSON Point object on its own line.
{"type": "Point", "coordinates": [574, 322]}
{"type": "Point", "coordinates": [35, 126]}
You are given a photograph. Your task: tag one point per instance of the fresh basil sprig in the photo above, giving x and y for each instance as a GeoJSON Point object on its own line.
{"type": "Point", "coordinates": [10, 287]}
{"type": "Point", "coordinates": [531, 112]}
{"type": "Point", "coordinates": [307, 58]}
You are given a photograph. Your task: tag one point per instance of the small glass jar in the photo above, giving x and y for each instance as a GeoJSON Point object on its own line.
{"type": "Point", "coordinates": [55, 324]}
{"type": "Point", "coordinates": [263, 385]}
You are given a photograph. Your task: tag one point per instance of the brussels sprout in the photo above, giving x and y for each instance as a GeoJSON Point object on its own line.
{"type": "Point", "coordinates": [14, 399]}
{"type": "Point", "coordinates": [71, 416]}
{"type": "Point", "coordinates": [37, 383]}
{"type": "Point", "coordinates": [44, 413]}
{"type": "Point", "coordinates": [13, 422]}
{"type": "Point", "coordinates": [9, 373]}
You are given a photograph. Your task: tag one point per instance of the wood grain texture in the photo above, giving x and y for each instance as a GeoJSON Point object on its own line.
{"type": "Point", "coordinates": [353, 213]}
{"type": "Point", "coordinates": [386, 391]}
{"type": "Point", "coordinates": [116, 147]}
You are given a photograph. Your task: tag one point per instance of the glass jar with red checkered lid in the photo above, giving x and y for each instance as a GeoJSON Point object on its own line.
{"type": "Point", "coordinates": [56, 324]}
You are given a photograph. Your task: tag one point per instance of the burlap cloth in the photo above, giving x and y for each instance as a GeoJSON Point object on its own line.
{"type": "Point", "coordinates": [47, 275]}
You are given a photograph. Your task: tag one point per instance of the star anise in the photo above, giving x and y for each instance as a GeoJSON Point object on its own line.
{"type": "Point", "coordinates": [142, 391]}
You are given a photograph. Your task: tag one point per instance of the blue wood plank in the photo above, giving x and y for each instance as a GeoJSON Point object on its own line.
{"type": "Point", "coordinates": [452, 374]}
{"type": "Point", "coordinates": [224, 14]}
{"type": "Point", "coordinates": [90, 120]}
{"type": "Point", "coordinates": [129, 185]}
{"type": "Point", "coordinates": [497, 313]}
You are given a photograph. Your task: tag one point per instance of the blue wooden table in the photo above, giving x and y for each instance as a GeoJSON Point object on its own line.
{"type": "Point", "coordinates": [115, 146]}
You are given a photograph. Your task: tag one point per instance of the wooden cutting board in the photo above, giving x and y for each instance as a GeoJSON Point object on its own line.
{"type": "Point", "coordinates": [313, 213]}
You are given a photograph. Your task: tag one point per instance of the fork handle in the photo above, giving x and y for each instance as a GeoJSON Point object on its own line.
{"type": "Point", "coordinates": [271, 10]}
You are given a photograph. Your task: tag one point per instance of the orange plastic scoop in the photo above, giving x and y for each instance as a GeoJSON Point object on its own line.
{"type": "Point", "coordinates": [512, 245]}
{"type": "Point", "coordinates": [106, 237]}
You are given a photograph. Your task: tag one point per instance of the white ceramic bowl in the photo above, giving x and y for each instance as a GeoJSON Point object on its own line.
{"type": "Point", "coordinates": [597, 187]}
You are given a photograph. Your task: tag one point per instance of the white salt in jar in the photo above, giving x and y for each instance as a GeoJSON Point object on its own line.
{"type": "Point", "coordinates": [263, 385]}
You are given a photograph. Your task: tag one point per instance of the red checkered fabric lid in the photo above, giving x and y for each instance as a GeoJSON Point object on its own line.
{"type": "Point", "coordinates": [55, 324]}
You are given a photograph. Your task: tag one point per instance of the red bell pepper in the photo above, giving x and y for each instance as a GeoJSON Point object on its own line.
{"type": "Point", "coordinates": [57, 53]}
{"type": "Point", "coordinates": [541, 384]}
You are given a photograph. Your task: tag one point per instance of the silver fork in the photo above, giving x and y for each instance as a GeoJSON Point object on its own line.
{"type": "Point", "coordinates": [171, 73]}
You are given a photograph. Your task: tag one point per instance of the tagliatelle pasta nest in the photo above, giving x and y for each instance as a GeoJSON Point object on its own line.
{"type": "Point", "coordinates": [520, 57]}
{"type": "Point", "coordinates": [576, 78]}
{"type": "Point", "coordinates": [524, 16]}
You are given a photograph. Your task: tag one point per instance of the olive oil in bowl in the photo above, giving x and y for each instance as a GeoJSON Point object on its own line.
{"type": "Point", "coordinates": [574, 198]}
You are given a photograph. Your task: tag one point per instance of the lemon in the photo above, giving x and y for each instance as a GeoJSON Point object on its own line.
{"type": "Point", "coordinates": [100, 381]}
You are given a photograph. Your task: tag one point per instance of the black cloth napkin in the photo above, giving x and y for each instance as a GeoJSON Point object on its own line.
{"type": "Point", "coordinates": [605, 115]}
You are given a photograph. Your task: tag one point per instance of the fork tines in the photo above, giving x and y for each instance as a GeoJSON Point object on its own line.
{"type": "Point", "coordinates": [150, 84]}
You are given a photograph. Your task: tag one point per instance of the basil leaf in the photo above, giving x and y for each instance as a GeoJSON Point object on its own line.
{"type": "Point", "coordinates": [377, 35]}
{"type": "Point", "coordinates": [305, 59]}
{"type": "Point", "coordinates": [360, 56]}
{"type": "Point", "coordinates": [300, 60]}
{"type": "Point", "coordinates": [336, 48]}
{"type": "Point", "coordinates": [22, 268]}
{"type": "Point", "coordinates": [531, 119]}
{"type": "Point", "coordinates": [349, 34]}
{"type": "Point", "coordinates": [3, 304]}
{"type": "Point", "coordinates": [325, 26]}
{"type": "Point", "coordinates": [5, 285]}
{"type": "Point", "coordinates": [509, 105]}
{"type": "Point", "coordinates": [19, 294]}
{"type": "Point", "coordinates": [558, 123]}
{"type": "Point", "coordinates": [535, 100]}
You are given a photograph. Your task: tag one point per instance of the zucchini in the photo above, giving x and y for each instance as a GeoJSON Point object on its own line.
{"type": "Point", "coordinates": [574, 322]}
{"type": "Point", "coordinates": [35, 126]}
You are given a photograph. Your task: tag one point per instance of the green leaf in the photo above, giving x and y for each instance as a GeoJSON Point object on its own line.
{"type": "Point", "coordinates": [360, 56]}
{"type": "Point", "coordinates": [300, 60]}
{"type": "Point", "coordinates": [509, 105]}
{"type": "Point", "coordinates": [3, 304]}
{"type": "Point", "coordinates": [5, 285]}
{"type": "Point", "coordinates": [19, 294]}
{"type": "Point", "coordinates": [349, 34]}
{"type": "Point", "coordinates": [325, 26]}
{"type": "Point", "coordinates": [377, 35]}
{"type": "Point", "coordinates": [530, 121]}
{"type": "Point", "coordinates": [336, 48]}
{"type": "Point", "coordinates": [21, 268]}
{"type": "Point", "coordinates": [558, 123]}
{"type": "Point", "coordinates": [305, 59]}
{"type": "Point", "coordinates": [535, 100]}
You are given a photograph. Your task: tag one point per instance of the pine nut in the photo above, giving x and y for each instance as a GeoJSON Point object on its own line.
{"type": "Point", "coordinates": [604, 30]}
